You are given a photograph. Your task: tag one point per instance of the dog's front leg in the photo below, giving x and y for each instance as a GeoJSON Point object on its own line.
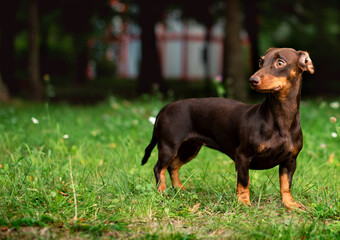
{"type": "Point", "coordinates": [243, 182]}
{"type": "Point", "coordinates": [286, 175]}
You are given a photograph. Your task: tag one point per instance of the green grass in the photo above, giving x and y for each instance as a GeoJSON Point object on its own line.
{"type": "Point", "coordinates": [116, 197]}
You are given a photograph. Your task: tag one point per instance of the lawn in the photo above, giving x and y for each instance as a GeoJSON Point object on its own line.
{"type": "Point", "coordinates": [75, 172]}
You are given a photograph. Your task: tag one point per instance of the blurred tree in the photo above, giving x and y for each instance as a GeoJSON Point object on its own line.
{"type": "Point", "coordinates": [4, 95]}
{"type": "Point", "coordinates": [234, 68]}
{"type": "Point", "coordinates": [37, 89]}
{"type": "Point", "coordinates": [78, 17]}
{"type": "Point", "coordinates": [251, 23]}
{"type": "Point", "coordinates": [8, 29]}
{"type": "Point", "coordinates": [150, 74]}
{"type": "Point", "coordinates": [51, 39]}
{"type": "Point", "coordinates": [203, 12]}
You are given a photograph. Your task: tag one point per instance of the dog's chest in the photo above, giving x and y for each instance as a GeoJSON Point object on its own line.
{"type": "Point", "coordinates": [272, 152]}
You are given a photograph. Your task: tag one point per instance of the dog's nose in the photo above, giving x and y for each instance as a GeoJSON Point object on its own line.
{"type": "Point", "coordinates": [254, 81]}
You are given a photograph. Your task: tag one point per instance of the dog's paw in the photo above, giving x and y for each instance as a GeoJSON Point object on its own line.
{"type": "Point", "coordinates": [292, 205]}
{"type": "Point", "coordinates": [161, 188]}
{"type": "Point", "coordinates": [244, 199]}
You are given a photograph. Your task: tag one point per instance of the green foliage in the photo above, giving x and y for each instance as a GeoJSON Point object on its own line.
{"type": "Point", "coordinates": [117, 198]}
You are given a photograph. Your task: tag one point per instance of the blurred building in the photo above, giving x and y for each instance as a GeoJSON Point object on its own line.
{"type": "Point", "coordinates": [181, 47]}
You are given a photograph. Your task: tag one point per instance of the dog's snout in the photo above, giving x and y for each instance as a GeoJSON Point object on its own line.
{"type": "Point", "coordinates": [254, 81]}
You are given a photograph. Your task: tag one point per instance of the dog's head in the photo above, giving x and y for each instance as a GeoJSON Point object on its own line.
{"type": "Point", "coordinates": [280, 68]}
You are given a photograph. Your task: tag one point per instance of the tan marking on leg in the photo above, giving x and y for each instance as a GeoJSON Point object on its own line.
{"type": "Point", "coordinates": [287, 199]}
{"type": "Point", "coordinates": [174, 168]}
{"type": "Point", "coordinates": [176, 164]}
{"type": "Point", "coordinates": [243, 194]}
{"type": "Point", "coordinates": [162, 186]}
{"type": "Point", "coordinates": [176, 182]}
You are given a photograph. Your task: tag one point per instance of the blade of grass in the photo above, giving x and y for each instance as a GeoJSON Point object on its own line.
{"type": "Point", "coordinates": [75, 218]}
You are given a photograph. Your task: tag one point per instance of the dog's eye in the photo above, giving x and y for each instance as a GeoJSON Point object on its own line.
{"type": "Point", "coordinates": [280, 63]}
{"type": "Point", "coordinates": [260, 62]}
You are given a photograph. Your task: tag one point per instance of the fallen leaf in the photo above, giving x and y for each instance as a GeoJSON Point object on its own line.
{"type": "Point", "coordinates": [331, 158]}
{"type": "Point", "coordinates": [62, 193]}
{"type": "Point", "coordinates": [195, 208]}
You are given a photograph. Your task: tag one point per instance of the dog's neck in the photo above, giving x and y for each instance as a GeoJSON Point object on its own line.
{"type": "Point", "coordinates": [285, 110]}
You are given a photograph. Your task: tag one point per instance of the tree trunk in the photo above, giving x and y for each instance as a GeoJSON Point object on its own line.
{"type": "Point", "coordinates": [206, 60]}
{"type": "Point", "coordinates": [7, 61]}
{"type": "Point", "coordinates": [81, 59]}
{"type": "Point", "coordinates": [150, 70]}
{"type": "Point", "coordinates": [234, 66]}
{"type": "Point", "coordinates": [4, 95]}
{"type": "Point", "coordinates": [37, 90]}
{"type": "Point", "coordinates": [252, 26]}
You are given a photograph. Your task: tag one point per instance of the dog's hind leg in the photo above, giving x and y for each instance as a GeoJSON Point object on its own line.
{"type": "Point", "coordinates": [187, 151]}
{"type": "Point", "coordinates": [173, 171]}
{"type": "Point", "coordinates": [165, 156]}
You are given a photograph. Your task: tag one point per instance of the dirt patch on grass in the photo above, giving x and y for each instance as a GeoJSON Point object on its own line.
{"type": "Point", "coordinates": [29, 233]}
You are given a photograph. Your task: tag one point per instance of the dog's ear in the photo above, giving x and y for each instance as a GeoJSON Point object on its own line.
{"type": "Point", "coordinates": [271, 49]}
{"type": "Point", "coordinates": [305, 63]}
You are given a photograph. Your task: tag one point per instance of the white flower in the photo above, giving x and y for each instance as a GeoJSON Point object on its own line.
{"type": "Point", "coordinates": [66, 136]}
{"type": "Point", "coordinates": [152, 120]}
{"type": "Point", "coordinates": [34, 120]}
{"type": "Point", "coordinates": [334, 134]}
{"type": "Point", "coordinates": [322, 145]}
{"type": "Point", "coordinates": [334, 105]}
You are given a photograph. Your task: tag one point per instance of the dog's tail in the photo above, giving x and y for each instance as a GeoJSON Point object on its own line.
{"type": "Point", "coordinates": [149, 148]}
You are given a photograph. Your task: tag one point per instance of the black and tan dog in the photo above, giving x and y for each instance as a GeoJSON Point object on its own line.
{"type": "Point", "coordinates": [258, 136]}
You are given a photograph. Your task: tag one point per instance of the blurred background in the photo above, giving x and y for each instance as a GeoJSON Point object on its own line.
{"type": "Point", "coordinates": [85, 50]}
